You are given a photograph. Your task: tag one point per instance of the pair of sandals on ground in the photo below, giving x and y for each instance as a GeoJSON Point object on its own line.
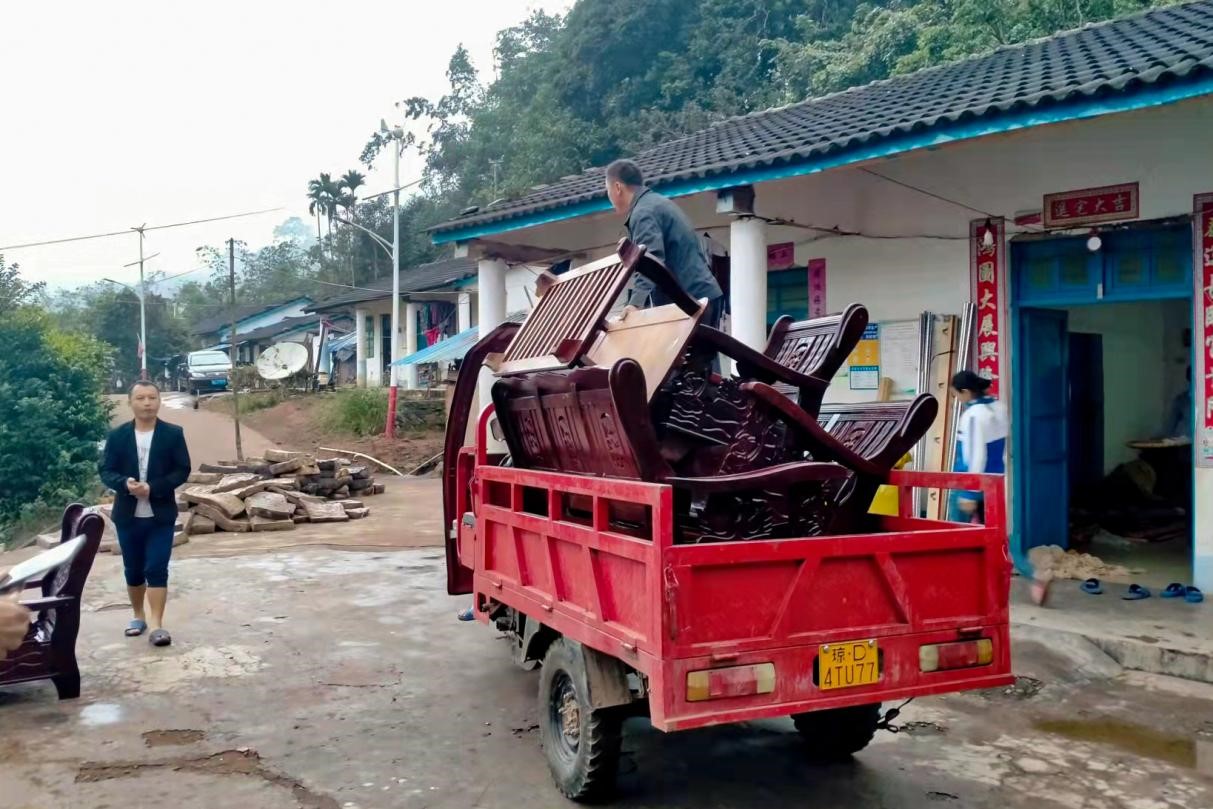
{"type": "Point", "coordinates": [1136, 592]}
{"type": "Point", "coordinates": [158, 637]}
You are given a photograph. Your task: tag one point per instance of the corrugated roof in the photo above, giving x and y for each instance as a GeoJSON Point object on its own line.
{"type": "Point", "coordinates": [422, 278]}
{"type": "Point", "coordinates": [454, 347]}
{"type": "Point", "coordinates": [1170, 44]}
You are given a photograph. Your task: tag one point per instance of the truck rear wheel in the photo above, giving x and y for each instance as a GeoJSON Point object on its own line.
{"type": "Point", "coordinates": [581, 744]}
{"type": "Point", "coordinates": [838, 733]}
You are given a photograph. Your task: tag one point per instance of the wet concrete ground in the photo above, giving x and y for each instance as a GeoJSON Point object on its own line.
{"type": "Point", "coordinates": [319, 678]}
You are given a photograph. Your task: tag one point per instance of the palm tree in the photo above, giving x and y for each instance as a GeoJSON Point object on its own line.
{"type": "Point", "coordinates": [316, 207]}
{"type": "Point", "coordinates": [332, 196]}
{"type": "Point", "coordinates": [349, 184]}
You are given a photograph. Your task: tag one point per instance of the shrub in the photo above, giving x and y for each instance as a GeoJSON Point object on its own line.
{"type": "Point", "coordinates": [53, 415]}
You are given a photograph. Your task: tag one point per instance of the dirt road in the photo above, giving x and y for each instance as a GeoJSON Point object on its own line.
{"type": "Point", "coordinates": [210, 436]}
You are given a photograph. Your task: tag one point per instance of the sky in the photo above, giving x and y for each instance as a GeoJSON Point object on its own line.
{"type": "Point", "coordinates": [115, 115]}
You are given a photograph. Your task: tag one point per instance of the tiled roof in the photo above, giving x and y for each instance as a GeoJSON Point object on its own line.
{"type": "Point", "coordinates": [1164, 45]}
{"type": "Point", "coordinates": [281, 327]}
{"type": "Point", "coordinates": [243, 312]}
{"type": "Point", "coordinates": [422, 278]}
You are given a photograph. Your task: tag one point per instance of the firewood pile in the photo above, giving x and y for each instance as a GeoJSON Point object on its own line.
{"type": "Point", "coordinates": [274, 493]}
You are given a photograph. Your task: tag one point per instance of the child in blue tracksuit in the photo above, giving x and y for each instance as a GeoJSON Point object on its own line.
{"type": "Point", "coordinates": [981, 447]}
{"type": "Point", "coordinates": [981, 442]}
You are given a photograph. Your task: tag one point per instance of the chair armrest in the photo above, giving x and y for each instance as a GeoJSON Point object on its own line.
{"type": "Point", "coordinates": [821, 443]}
{"type": "Point", "coordinates": [772, 477]}
{"type": "Point", "coordinates": [756, 363]}
{"type": "Point", "coordinates": [48, 602]}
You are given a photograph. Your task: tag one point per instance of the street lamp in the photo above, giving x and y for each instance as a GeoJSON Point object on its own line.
{"type": "Point", "coordinates": [142, 303]}
{"type": "Point", "coordinates": [396, 135]}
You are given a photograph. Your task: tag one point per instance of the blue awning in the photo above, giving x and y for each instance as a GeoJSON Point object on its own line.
{"type": "Point", "coordinates": [448, 350]}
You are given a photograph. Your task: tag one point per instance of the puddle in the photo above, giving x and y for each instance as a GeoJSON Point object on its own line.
{"type": "Point", "coordinates": [1135, 739]}
{"type": "Point", "coordinates": [100, 714]}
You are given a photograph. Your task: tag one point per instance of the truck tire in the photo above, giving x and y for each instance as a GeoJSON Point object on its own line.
{"type": "Point", "coordinates": [838, 733]}
{"type": "Point", "coordinates": [581, 744]}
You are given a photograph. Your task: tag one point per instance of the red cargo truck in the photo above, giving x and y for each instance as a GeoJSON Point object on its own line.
{"type": "Point", "coordinates": [820, 629]}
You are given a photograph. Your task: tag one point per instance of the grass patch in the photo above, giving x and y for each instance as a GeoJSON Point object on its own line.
{"type": "Point", "coordinates": [358, 411]}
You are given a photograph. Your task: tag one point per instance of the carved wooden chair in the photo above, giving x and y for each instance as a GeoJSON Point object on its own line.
{"type": "Point", "coordinates": [596, 421]}
{"type": "Point", "coordinates": [49, 649]}
{"type": "Point", "coordinates": [800, 359]}
{"type": "Point", "coordinates": [868, 439]}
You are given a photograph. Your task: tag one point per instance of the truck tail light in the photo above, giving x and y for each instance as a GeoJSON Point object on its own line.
{"type": "Point", "coordinates": [959, 655]}
{"type": "Point", "coordinates": [734, 681]}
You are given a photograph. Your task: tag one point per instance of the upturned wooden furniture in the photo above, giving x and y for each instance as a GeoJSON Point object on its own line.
{"type": "Point", "coordinates": [868, 439]}
{"type": "Point", "coordinates": [596, 421]}
{"type": "Point", "coordinates": [49, 649]}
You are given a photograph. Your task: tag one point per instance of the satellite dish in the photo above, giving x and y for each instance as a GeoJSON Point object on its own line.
{"type": "Point", "coordinates": [282, 360]}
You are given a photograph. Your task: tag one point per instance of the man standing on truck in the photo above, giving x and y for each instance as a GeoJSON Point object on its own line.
{"type": "Point", "coordinates": [662, 227]}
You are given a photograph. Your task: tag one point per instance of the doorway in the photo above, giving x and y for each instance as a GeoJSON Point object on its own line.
{"type": "Point", "coordinates": [1100, 356]}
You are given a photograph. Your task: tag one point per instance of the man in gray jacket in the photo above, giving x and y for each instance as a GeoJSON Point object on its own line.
{"type": "Point", "coordinates": [662, 227]}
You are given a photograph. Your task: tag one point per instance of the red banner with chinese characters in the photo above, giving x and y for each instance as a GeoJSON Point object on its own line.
{"type": "Point", "coordinates": [817, 287]}
{"type": "Point", "coordinates": [1091, 206]}
{"type": "Point", "coordinates": [987, 268]}
{"type": "Point", "coordinates": [1202, 218]}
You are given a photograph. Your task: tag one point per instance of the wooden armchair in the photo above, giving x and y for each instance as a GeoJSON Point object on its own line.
{"type": "Point", "coordinates": [49, 649]}
{"type": "Point", "coordinates": [868, 439]}
{"type": "Point", "coordinates": [800, 359]}
{"type": "Point", "coordinates": [596, 421]}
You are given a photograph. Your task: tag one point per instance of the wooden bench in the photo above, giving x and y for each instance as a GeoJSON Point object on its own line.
{"type": "Point", "coordinates": [868, 439]}
{"type": "Point", "coordinates": [49, 649]}
{"type": "Point", "coordinates": [596, 421]}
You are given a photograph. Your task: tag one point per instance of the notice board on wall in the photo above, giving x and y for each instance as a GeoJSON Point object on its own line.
{"type": "Point", "coordinates": [890, 349]}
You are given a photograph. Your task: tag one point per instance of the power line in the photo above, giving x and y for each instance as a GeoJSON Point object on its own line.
{"type": "Point", "coordinates": [141, 228]}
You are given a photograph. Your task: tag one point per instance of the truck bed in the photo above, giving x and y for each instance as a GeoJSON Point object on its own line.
{"type": "Point", "coordinates": [732, 631]}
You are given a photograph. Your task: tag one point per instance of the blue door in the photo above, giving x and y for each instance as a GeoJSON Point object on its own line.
{"type": "Point", "coordinates": [1041, 473]}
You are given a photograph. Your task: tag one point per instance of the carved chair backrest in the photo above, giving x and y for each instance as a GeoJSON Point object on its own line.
{"type": "Point", "coordinates": [816, 347]}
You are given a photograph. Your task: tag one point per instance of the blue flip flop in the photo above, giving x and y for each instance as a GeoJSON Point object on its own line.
{"type": "Point", "coordinates": [1193, 595]}
{"type": "Point", "coordinates": [1174, 590]}
{"type": "Point", "coordinates": [1092, 587]}
{"type": "Point", "coordinates": [1135, 593]}
{"type": "Point", "coordinates": [135, 628]}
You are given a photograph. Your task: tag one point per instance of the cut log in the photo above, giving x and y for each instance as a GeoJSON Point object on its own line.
{"type": "Point", "coordinates": [299, 519]}
{"type": "Point", "coordinates": [285, 467]}
{"type": "Point", "coordinates": [347, 504]}
{"type": "Point", "coordinates": [379, 488]}
{"type": "Point", "coordinates": [202, 525]}
{"type": "Point", "coordinates": [325, 512]}
{"type": "Point", "coordinates": [360, 472]}
{"type": "Point", "coordinates": [357, 485]}
{"type": "Point", "coordinates": [204, 477]}
{"type": "Point", "coordinates": [180, 538]}
{"type": "Point", "coordinates": [341, 494]}
{"type": "Point", "coordinates": [222, 469]}
{"type": "Point", "coordinates": [295, 497]}
{"type": "Point", "coordinates": [308, 471]}
{"type": "Point", "coordinates": [270, 505]}
{"type": "Point", "coordinates": [280, 455]}
{"type": "Point", "coordinates": [357, 513]}
{"type": "Point", "coordinates": [227, 504]}
{"type": "Point", "coordinates": [234, 481]}
{"type": "Point", "coordinates": [250, 489]}
{"type": "Point", "coordinates": [187, 521]}
{"type": "Point", "coordinates": [326, 464]}
{"type": "Point", "coordinates": [221, 520]}
{"type": "Point", "coordinates": [256, 467]}
{"type": "Point", "coordinates": [285, 483]}
{"type": "Point", "coordinates": [270, 524]}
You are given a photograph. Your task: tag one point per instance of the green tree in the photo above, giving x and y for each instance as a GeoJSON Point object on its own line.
{"type": "Point", "coordinates": [52, 408]}
{"type": "Point", "coordinates": [15, 292]}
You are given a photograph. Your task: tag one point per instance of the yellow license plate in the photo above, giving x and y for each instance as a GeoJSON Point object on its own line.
{"type": "Point", "coordinates": [848, 664]}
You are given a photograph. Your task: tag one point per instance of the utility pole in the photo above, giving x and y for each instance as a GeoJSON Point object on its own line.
{"type": "Point", "coordinates": [390, 427]}
{"type": "Point", "coordinates": [231, 291]}
{"type": "Point", "coordinates": [142, 309]}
